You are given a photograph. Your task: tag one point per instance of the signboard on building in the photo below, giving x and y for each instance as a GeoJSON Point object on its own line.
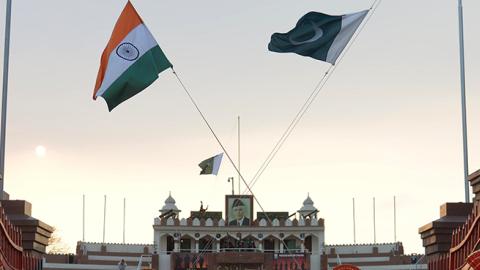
{"type": "Point", "coordinates": [189, 261]}
{"type": "Point", "coordinates": [290, 262]}
{"type": "Point", "coordinates": [346, 267]}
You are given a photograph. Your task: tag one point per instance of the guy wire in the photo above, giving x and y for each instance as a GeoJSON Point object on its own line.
{"type": "Point", "coordinates": [311, 98]}
{"type": "Point", "coordinates": [226, 153]}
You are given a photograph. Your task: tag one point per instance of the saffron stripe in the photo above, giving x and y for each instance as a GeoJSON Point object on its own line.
{"type": "Point", "coordinates": [142, 39]}
{"type": "Point", "coordinates": [128, 20]}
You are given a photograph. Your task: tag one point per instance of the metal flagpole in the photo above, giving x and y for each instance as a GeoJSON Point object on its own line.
{"type": "Point", "coordinates": [394, 219]}
{"type": "Point", "coordinates": [104, 215]}
{"type": "Point", "coordinates": [239, 155]}
{"type": "Point", "coordinates": [6, 54]}
{"type": "Point", "coordinates": [464, 110]}
{"type": "Point", "coordinates": [124, 206]}
{"type": "Point", "coordinates": [354, 228]}
{"type": "Point", "coordinates": [83, 220]}
{"type": "Point", "coordinates": [374, 228]}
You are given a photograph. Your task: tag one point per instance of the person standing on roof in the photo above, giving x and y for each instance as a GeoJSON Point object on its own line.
{"type": "Point", "coordinates": [122, 265]}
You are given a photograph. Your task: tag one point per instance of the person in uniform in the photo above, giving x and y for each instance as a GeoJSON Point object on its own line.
{"type": "Point", "coordinates": [238, 209]}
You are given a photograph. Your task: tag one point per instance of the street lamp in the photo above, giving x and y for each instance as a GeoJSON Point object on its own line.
{"type": "Point", "coordinates": [230, 179]}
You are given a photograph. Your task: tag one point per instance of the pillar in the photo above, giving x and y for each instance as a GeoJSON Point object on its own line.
{"type": "Point", "coordinates": [259, 245]}
{"type": "Point", "coordinates": [276, 245]}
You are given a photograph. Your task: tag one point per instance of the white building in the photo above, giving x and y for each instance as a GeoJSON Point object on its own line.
{"type": "Point", "coordinates": [272, 238]}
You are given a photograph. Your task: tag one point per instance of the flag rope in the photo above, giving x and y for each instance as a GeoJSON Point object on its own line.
{"type": "Point", "coordinates": [286, 133]}
{"type": "Point", "coordinates": [284, 136]}
{"type": "Point", "coordinates": [310, 100]}
{"type": "Point", "coordinates": [229, 158]}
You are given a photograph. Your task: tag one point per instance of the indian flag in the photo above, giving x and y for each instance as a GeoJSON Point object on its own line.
{"type": "Point", "coordinates": [131, 61]}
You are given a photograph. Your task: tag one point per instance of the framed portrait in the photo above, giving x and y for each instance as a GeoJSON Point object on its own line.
{"type": "Point", "coordinates": [238, 210]}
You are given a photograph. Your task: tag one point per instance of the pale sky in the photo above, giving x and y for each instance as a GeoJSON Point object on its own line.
{"type": "Point", "coordinates": [388, 123]}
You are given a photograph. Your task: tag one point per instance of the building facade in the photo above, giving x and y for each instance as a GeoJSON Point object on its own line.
{"type": "Point", "coordinates": [236, 239]}
{"type": "Point", "coordinates": [378, 256]}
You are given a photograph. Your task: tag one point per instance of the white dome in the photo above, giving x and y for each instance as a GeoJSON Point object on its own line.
{"type": "Point", "coordinates": [308, 201]}
{"type": "Point", "coordinates": [169, 205]}
{"type": "Point", "coordinates": [170, 199]}
{"type": "Point", "coordinates": [307, 207]}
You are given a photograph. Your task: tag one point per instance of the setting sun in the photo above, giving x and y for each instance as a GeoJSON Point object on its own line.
{"type": "Point", "coordinates": [40, 151]}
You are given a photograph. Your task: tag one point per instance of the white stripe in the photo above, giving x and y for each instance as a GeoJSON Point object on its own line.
{"type": "Point", "coordinates": [217, 160]}
{"type": "Point", "coordinates": [142, 39]}
{"type": "Point", "coordinates": [350, 23]}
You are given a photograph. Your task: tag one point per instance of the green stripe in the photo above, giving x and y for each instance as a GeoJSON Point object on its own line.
{"type": "Point", "coordinates": [207, 166]}
{"type": "Point", "coordinates": [137, 77]}
{"type": "Point", "coordinates": [303, 31]}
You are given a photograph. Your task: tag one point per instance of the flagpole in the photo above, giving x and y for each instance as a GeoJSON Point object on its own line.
{"type": "Point", "coordinates": [124, 207]}
{"type": "Point", "coordinates": [354, 227]}
{"type": "Point", "coordinates": [464, 110]}
{"type": "Point", "coordinates": [104, 215]}
{"type": "Point", "coordinates": [394, 219]}
{"type": "Point", "coordinates": [374, 225]}
{"type": "Point", "coordinates": [239, 154]}
{"type": "Point", "coordinates": [6, 54]}
{"type": "Point", "coordinates": [83, 220]}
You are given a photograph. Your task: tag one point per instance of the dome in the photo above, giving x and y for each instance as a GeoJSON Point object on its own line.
{"type": "Point", "coordinates": [170, 199]}
{"type": "Point", "coordinates": [169, 205]}
{"type": "Point", "coordinates": [308, 201]}
{"type": "Point", "coordinates": [307, 207]}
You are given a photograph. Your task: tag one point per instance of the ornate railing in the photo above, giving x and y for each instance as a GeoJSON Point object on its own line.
{"type": "Point", "coordinates": [12, 256]}
{"type": "Point", "coordinates": [440, 263]}
{"type": "Point", "coordinates": [465, 240]}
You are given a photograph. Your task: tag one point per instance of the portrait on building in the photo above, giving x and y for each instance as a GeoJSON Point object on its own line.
{"type": "Point", "coordinates": [239, 210]}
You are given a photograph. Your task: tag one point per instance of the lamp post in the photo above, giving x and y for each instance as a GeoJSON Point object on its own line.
{"type": "Point", "coordinates": [230, 179]}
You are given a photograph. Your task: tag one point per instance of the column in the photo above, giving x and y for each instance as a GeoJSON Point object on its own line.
{"type": "Point", "coordinates": [176, 246]}
{"type": "Point", "coordinates": [197, 246]}
{"type": "Point", "coordinates": [162, 243]}
{"type": "Point", "coordinates": [260, 245]}
{"type": "Point", "coordinates": [218, 245]}
{"type": "Point", "coordinates": [302, 246]}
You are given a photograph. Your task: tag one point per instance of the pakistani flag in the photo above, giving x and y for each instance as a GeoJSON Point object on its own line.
{"type": "Point", "coordinates": [131, 61]}
{"type": "Point", "coordinates": [211, 165]}
{"type": "Point", "coordinates": [318, 35]}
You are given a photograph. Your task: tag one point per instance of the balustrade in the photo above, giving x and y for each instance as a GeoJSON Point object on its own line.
{"type": "Point", "coordinates": [465, 239]}
{"type": "Point", "coordinates": [12, 254]}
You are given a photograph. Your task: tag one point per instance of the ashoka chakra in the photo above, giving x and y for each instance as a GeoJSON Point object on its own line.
{"type": "Point", "coordinates": [127, 51]}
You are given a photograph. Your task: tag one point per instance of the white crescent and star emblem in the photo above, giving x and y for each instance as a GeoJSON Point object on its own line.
{"type": "Point", "coordinates": [318, 34]}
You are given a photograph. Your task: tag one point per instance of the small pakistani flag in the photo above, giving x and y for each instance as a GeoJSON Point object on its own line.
{"type": "Point", "coordinates": [318, 35]}
{"type": "Point", "coordinates": [211, 165]}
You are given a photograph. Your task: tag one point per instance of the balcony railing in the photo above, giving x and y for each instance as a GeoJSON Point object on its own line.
{"type": "Point", "coordinates": [11, 251]}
